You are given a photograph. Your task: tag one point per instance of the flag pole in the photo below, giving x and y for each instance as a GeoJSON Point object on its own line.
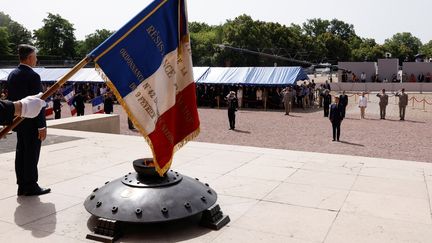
{"type": "Point", "coordinates": [49, 93]}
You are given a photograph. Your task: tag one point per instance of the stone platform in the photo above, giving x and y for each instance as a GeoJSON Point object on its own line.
{"type": "Point", "coordinates": [270, 195]}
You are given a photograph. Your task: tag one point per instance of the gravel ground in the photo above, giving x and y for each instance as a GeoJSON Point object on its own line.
{"type": "Point", "coordinates": [308, 130]}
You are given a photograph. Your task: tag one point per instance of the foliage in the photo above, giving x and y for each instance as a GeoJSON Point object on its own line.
{"type": "Point", "coordinates": [426, 49]}
{"type": "Point", "coordinates": [4, 41]}
{"type": "Point", "coordinates": [17, 34]}
{"type": "Point", "coordinates": [367, 50]}
{"type": "Point", "coordinates": [56, 37]}
{"type": "Point", "coordinates": [241, 41]}
{"type": "Point", "coordinates": [92, 41]}
{"type": "Point", "coordinates": [403, 46]}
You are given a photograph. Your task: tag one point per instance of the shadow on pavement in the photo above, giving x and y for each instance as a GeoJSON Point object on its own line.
{"type": "Point", "coordinates": [353, 144]}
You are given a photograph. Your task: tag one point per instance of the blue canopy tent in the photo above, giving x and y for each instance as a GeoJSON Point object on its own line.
{"type": "Point", "coordinates": [83, 75]}
{"type": "Point", "coordinates": [258, 76]}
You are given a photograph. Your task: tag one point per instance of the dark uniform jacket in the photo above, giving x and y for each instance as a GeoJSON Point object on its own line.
{"type": "Point", "coordinates": [7, 111]}
{"type": "Point", "coordinates": [335, 113]}
{"type": "Point", "coordinates": [22, 82]}
{"type": "Point", "coordinates": [343, 100]}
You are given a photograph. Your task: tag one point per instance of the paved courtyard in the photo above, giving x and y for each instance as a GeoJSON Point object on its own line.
{"type": "Point", "coordinates": [279, 178]}
{"type": "Point", "coordinates": [308, 130]}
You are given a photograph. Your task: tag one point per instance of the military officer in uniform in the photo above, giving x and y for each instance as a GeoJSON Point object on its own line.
{"type": "Point", "coordinates": [383, 97]}
{"type": "Point", "coordinates": [287, 99]}
{"type": "Point", "coordinates": [403, 102]}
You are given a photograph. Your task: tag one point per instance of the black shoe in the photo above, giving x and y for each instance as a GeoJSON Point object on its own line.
{"type": "Point", "coordinates": [333, 140]}
{"type": "Point", "coordinates": [20, 192]}
{"type": "Point", "coordinates": [37, 192]}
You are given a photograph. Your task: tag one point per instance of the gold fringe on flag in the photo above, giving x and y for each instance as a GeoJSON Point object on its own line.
{"type": "Point", "coordinates": [191, 136]}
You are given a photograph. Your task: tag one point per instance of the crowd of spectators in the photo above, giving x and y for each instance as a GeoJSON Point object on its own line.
{"type": "Point", "coordinates": [304, 94]}
{"type": "Point", "coordinates": [348, 76]}
{"type": "Point", "coordinates": [84, 92]}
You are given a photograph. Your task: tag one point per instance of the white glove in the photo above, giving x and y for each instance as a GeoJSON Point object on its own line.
{"type": "Point", "coordinates": [31, 105]}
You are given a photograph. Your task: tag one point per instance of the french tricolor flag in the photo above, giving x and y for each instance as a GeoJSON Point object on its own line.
{"type": "Point", "coordinates": [69, 94]}
{"type": "Point", "coordinates": [148, 66]}
{"type": "Point", "coordinates": [98, 105]}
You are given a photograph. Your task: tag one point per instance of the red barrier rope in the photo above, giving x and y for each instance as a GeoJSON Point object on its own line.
{"type": "Point", "coordinates": [417, 100]}
{"type": "Point", "coordinates": [427, 102]}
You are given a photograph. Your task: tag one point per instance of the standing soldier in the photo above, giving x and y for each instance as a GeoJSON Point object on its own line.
{"type": "Point", "coordinates": [403, 102]}
{"type": "Point", "coordinates": [383, 103]}
{"type": "Point", "coordinates": [57, 106]}
{"type": "Point", "coordinates": [343, 101]}
{"type": "Point", "coordinates": [327, 102]}
{"type": "Point", "coordinates": [108, 103]}
{"type": "Point", "coordinates": [287, 99]}
{"type": "Point", "coordinates": [232, 108]}
{"type": "Point", "coordinates": [336, 118]}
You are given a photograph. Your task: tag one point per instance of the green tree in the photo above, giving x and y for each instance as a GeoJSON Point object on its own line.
{"type": "Point", "coordinates": [403, 46]}
{"type": "Point", "coordinates": [4, 42]}
{"type": "Point", "coordinates": [243, 32]}
{"type": "Point", "coordinates": [426, 49]}
{"type": "Point", "coordinates": [337, 49]}
{"type": "Point", "coordinates": [341, 29]}
{"type": "Point", "coordinates": [367, 50]}
{"type": "Point", "coordinates": [195, 27]}
{"type": "Point", "coordinates": [56, 37]}
{"type": "Point", "coordinates": [316, 27]}
{"type": "Point", "coordinates": [17, 34]}
{"type": "Point", "coordinates": [204, 46]}
{"type": "Point", "coordinates": [92, 41]}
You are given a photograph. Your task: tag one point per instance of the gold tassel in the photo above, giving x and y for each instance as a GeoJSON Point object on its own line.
{"type": "Point", "coordinates": [191, 136]}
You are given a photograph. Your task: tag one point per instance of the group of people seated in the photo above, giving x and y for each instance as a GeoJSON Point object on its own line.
{"type": "Point", "coordinates": [348, 76]}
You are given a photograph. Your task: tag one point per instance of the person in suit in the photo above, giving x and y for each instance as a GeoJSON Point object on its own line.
{"type": "Point", "coordinates": [108, 103]}
{"type": "Point", "coordinates": [24, 81]}
{"type": "Point", "coordinates": [327, 101]}
{"type": "Point", "coordinates": [383, 103]}
{"type": "Point", "coordinates": [78, 103]}
{"type": "Point", "coordinates": [403, 102]}
{"type": "Point", "coordinates": [57, 106]}
{"type": "Point", "coordinates": [232, 108]}
{"type": "Point", "coordinates": [336, 118]}
{"type": "Point", "coordinates": [28, 107]}
{"type": "Point", "coordinates": [343, 101]}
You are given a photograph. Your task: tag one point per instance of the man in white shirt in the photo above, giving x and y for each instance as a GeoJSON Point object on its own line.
{"type": "Point", "coordinates": [362, 105]}
{"type": "Point", "coordinates": [363, 77]}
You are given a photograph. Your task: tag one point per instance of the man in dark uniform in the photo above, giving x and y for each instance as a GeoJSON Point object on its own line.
{"type": "Point", "coordinates": [343, 101]}
{"type": "Point", "coordinates": [57, 106]}
{"type": "Point", "coordinates": [108, 104]}
{"type": "Point", "coordinates": [232, 108]}
{"type": "Point", "coordinates": [327, 101]}
{"type": "Point", "coordinates": [78, 103]}
{"type": "Point", "coordinates": [336, 118]}
{"type": "Point", "coordinates": [22, 82]}
{"type": "Point", "coordinates": [28, 107]}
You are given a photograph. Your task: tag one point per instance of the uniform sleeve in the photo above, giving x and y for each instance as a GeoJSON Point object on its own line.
{"type": "Point", "coordinates": [7, 111]}
{"type": "Point", "coordinates": [41, 119]}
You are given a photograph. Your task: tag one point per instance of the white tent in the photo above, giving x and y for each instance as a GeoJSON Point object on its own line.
{"type": "Point", "coordinates": [84, 75]}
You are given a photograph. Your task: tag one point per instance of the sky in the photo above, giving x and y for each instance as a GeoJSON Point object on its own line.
{"type": "Point", "coordinates": [377, 19]}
